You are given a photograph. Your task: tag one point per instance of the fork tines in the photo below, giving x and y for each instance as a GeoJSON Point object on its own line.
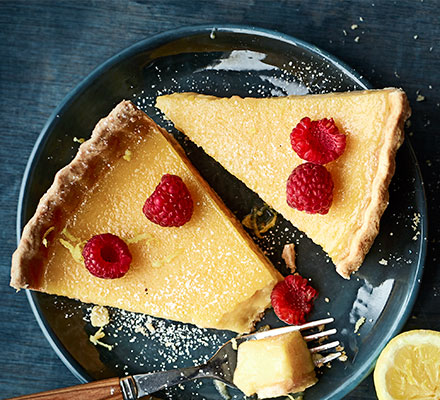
{"type": "Point", "coordinates": [320, 335]}
{"type": "Point", "coordinates": [287, 329]}
{"type": "Point", "coordinates": [323, 347]}
{"type": "Point", "coordinates": [321, 361]}
{"type": "Point", "coordinates": [314, 336]}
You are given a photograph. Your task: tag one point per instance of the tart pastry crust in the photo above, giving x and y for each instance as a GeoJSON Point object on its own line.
{"type": "Point", "coordinates": [109, 140]}
{"type": "Point", "coordinates": [393, 132]}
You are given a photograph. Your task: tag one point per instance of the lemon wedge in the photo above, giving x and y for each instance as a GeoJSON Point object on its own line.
{"type": "Point", "coordinates": [409, 367]}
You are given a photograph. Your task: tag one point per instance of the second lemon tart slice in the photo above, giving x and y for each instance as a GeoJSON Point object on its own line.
{"type": "Point", "coordinates": [207, 272]}
{"type": "Point", "coordinates": [251, 138]}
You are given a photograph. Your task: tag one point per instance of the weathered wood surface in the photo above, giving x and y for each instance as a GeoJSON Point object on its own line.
{"type": "Point", "coordinates": [47, 47]}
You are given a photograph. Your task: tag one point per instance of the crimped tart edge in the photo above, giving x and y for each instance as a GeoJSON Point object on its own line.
{"type": "Point", "coordinates": [109, 137]}
{"type": "Point", "coordinates": [393, 132]}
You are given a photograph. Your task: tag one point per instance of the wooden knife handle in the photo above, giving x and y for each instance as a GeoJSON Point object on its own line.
{"type": "Point", "coordinates": [108, 389]}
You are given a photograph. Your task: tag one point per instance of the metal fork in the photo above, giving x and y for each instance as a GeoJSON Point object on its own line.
{"type": "Point", "coordinates": [220, 366]}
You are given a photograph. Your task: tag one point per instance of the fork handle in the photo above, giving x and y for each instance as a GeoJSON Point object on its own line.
{"type": "Point", "coordinates": [155, 381]}
{"type": "Point", "coordinates": [108, 389]}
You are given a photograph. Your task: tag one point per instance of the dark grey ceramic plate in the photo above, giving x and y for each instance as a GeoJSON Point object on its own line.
{"type": "Point", "coordinates": [245, 61]}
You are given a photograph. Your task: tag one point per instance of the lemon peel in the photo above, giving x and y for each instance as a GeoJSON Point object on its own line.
{"type": "Point", "coordinates": [44, 239]}
{"type": "Point", "coordinates": [295, 397]}
{"type": "Point", "coordinates": [74, 249]}
{"type": "Point", "coordinates": [127, 155]}
{"type": "Point", "coordinates": [69, 236]}
{"type": "Point", "coordinates": [260, 220]}
{"type": "Point", "coordinates": [141, 236]}
{"type": "Point", "coordinates": [99, 335]}
{"type": "Point", "coordinates": [222, 389]}
{"type": "Point", "coordinates": [166, 260]}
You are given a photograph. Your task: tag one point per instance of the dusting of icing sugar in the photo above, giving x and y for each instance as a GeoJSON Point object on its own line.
{"type": "Point", "coordinates": [143, 343]}
{"type": "Point", "coordinates": [261, 78]}
{"type": "Point", "coordinates": [283, 87]}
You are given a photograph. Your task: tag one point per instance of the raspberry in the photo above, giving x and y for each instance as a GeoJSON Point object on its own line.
{"type": "Point", "coordinates": [170, 204]}
{"type": "Point", "coordinates": [292, 299]}
{"type": "Point", "coordinates": [317, 141]}
{"type": "Point", "coordinates": [107, 256]}
{"type": "Point", "coordinates": [310, 189]}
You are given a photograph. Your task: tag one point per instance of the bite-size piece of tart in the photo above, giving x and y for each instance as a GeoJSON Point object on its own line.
{"type": "Point", "coordinates": [274, 366]}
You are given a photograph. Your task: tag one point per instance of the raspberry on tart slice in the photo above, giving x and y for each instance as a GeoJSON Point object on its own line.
{"type": "Point", "coordinates": [318, 141]}
{"type": "Point", "coordinates": [170, 204]}
{"type": "Point", "coordinates": [310, 189]}
{"type": "Point", "coordinates": [292, 299]}
{"type": "Point", "coordinates": [107, 256]}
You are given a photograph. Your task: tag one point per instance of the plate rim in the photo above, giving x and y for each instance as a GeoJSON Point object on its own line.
{"type": "Point", "coordinates": [155, 41]}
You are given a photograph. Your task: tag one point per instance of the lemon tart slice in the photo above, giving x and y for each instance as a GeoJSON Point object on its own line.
{"type": "Point", "coordinates": [207, 272]}
{"type": "Point", "coordinates": [251, 138]}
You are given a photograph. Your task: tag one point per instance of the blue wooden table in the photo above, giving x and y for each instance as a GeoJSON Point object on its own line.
{"type": "Point", "coordinates": [48, 47]}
